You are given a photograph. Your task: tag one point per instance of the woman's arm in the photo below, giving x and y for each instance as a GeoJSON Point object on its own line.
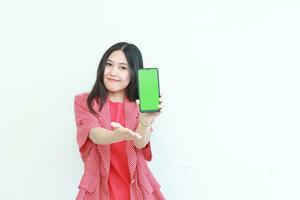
{"type": "Point", "coordinates": [101, 135]}
{"type": "Point", "coordinates": [145, 125]}
{"type": "Point", "coordinates": [104, 136]}
{"type": "Point", "coordinates": [145, 132]}
{"type": "Point", "coordinates": [140, 137]}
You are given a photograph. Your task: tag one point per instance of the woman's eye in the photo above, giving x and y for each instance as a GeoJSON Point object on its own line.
{"type": "Point", "coordinates": [108, 64]}
{"type": "Point", "coordinates": [123, 68]}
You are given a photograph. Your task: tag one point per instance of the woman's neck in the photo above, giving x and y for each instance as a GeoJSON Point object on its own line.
{"type": "Point", "coordinates": [116, 97]}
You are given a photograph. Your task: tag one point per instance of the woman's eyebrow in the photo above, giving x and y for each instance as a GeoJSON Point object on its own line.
{"type": "Point", "coordinates": [119, 63]}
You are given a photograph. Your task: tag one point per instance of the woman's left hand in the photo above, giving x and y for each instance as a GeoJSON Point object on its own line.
{"type": "Point", "coordinates": [146, 119]}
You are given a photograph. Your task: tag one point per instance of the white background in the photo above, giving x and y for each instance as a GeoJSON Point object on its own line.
{"type": "Point", "coordinates": [229, 75]}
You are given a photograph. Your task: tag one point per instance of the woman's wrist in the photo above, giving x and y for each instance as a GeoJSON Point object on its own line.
{"type": "Point", "coordinates": [145, 126]}
{"type": "Point", "coordinates": [145, 131]}
{"type": "Point", "coordinates": [121, 135]}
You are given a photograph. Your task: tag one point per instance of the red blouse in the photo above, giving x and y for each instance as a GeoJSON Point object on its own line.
{"type": "Point", "coordinates": [119, 177]}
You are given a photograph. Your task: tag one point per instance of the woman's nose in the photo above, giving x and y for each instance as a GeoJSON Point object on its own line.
{"type": "Point", "coordinates": [113, 70]}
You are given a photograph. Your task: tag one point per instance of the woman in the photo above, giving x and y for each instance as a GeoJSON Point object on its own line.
{"type": "Point", "coordinates": [112, 135]}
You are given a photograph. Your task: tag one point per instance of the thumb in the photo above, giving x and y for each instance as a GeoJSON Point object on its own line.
{"type": "Point", "coordinates": [115, 125]}
{"type": "Point", "coordinates": [137, 102]}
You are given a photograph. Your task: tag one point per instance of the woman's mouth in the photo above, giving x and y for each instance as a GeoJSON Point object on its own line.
{"type": "Point", "coordinates": [112, 80]}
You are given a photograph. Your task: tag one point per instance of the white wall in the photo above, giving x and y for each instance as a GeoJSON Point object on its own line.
{"type": "Point", "coordinates": [229, 76]}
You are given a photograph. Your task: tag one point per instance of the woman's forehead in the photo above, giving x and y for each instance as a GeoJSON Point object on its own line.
{"type": "Point", "coordinates": [117, 57]}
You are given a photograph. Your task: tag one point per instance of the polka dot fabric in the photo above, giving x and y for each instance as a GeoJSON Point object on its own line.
{"type": "Point", "coordinates": [96, 158]}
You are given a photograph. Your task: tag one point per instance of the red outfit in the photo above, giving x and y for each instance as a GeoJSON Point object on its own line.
{"type": "Point", "coordinates": [119, 177]}
{"type": "Point", "coordinates": [94, 184]}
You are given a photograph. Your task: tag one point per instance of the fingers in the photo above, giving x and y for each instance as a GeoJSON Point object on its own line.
{"type": "Point", "coordinates": [138, 101]}
{"type": "Point", "coordinates": [160, 106]}
{"type": "Point", "coordinates": [160, 99]}
{"type": "Point", "coordinates": [127, 130]}
{"type": "Point", "coordinates": [115, 125]}
{"type": "Point", "coordinates": [134, 134]}
{"type": "Point", "coordinates": [160, 103]}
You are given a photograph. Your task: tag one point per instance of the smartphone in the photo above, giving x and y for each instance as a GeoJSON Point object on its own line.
{"type": "Point", "coordinates": [148, 90]}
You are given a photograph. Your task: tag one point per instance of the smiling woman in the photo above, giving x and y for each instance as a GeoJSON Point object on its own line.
{"type": "Point", "coordinates": [112, 135]}
{"type": "Point", "coordinates": [116, 75]}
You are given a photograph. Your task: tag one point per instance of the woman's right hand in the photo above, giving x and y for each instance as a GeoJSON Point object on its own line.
{"type": "Point", "coordinates": [126, 132]}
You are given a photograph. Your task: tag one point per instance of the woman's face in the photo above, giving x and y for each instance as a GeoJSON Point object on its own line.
{"type": "Point", "coordinates": [116, 72]}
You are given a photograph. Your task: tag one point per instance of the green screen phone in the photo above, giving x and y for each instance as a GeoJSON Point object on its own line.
{"type": "Point", "coordinates": [148, 88]}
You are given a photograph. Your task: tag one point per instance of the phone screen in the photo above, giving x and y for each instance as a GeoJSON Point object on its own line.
{"type": "Point", "coordinates": [148, 87]}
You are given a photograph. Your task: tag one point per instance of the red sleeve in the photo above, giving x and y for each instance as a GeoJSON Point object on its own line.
{"type": "Point", "coordinates": [146, 151]}
{"type": "Point", "coordinates": [85, 120]}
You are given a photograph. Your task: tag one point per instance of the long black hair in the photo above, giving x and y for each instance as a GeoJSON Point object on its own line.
{"type": "Point", "coordinates": [135, 62]}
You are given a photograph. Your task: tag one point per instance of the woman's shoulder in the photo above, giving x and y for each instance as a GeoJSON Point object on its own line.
{"type": "Point", "coordinates": [81, 98]}
{"type": "Point", "coordinates": [82, 95]}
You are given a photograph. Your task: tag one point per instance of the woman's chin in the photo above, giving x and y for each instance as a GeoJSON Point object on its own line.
{"type": "Point", "coordinates": [115, 90]}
